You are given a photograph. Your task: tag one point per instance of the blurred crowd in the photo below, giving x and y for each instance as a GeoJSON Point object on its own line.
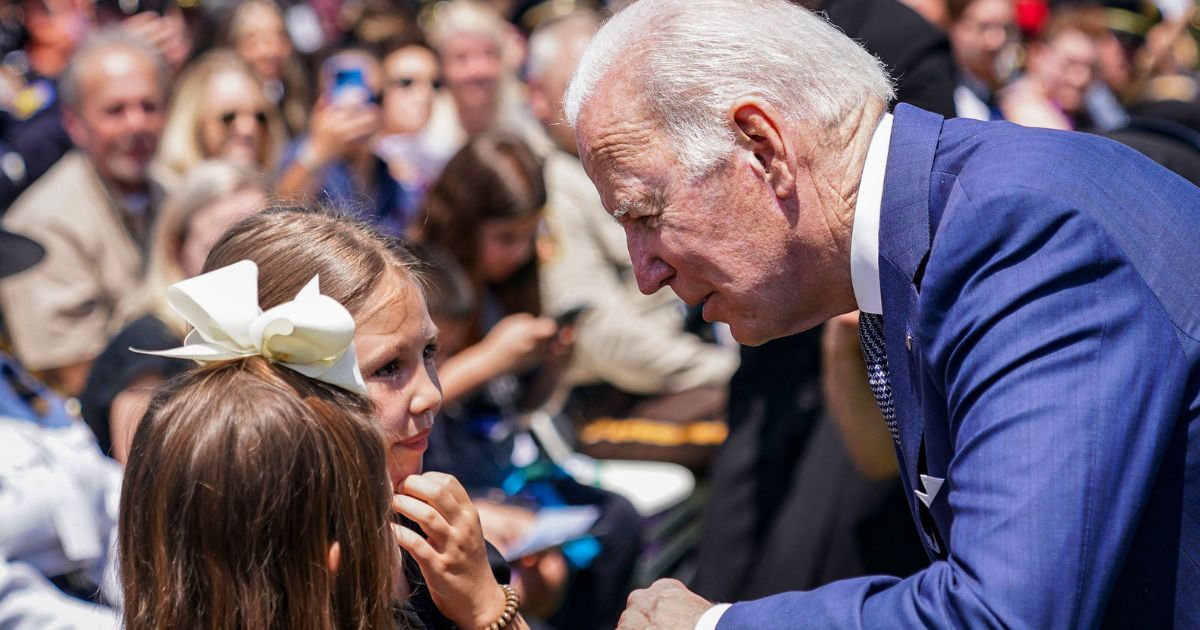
{"type": "Point", "coordinates": [134, 134]}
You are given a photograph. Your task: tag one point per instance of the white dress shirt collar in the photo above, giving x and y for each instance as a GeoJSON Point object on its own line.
{"type": "Point", "coordinates": [864, 239]}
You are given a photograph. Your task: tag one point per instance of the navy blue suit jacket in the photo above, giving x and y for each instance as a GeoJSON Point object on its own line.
{"type": "Point", "coordinates": [1041, 305]}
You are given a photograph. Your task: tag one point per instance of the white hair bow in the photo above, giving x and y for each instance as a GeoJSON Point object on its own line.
{"type": "Point", "coordinates": [313, 334]}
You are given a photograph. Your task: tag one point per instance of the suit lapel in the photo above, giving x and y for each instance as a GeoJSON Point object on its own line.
{"type": "Point", "coordinates": [904, 243]}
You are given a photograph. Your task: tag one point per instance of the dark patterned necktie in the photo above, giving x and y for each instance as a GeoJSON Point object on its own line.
{"type": "Point", "coordinates": [870, 335]}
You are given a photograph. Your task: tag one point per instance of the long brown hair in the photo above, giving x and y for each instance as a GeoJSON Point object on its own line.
{"type": "Point", "coordinates": [240, 478]}
{"type": "Point", "coordinates": [291, 244]}
{"type": "Point", "coordinates": [495, 177]}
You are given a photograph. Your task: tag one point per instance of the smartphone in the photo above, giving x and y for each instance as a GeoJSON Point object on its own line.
{"type": "Point", "coordinates": [571, 315]}
{"type": "Point", "coordinates": [349, 86]}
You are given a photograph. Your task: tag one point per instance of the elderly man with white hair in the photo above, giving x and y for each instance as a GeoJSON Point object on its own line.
{"type": "Point", "coordinates": [1027, 298]}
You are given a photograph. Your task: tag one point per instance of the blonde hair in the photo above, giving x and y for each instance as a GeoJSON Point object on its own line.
{"type": "Point", "coordinates": [205, 184]}
{"type": "Point", "coordinates": [295, 102]}
{"type": "Point", "coordinates": [181, 148]}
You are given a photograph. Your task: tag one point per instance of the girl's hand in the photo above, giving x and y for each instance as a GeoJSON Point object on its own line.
{"type": "Point", "coordinates": [452, 554]}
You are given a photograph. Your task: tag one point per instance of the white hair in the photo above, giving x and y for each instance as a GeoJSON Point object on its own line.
{"type": "Point", "coordinates": [692, 59]}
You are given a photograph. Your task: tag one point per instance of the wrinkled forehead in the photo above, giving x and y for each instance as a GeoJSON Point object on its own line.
{"type": "Point", "coordinates": [618, 144]}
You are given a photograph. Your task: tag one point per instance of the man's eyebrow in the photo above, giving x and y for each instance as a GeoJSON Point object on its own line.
{"type": "Point", "coordinates": [624, 207]}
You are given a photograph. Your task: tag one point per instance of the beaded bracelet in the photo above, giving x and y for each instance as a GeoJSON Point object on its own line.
{"type": "Point", "coordinates": [511, 603]}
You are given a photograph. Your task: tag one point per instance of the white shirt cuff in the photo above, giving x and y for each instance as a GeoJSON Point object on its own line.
{"type": "Point", "coordinates": [711, 617]}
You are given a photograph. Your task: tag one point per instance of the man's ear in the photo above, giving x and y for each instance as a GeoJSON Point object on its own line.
{"type": "Point", "coordinates": [74, 127]}
{"type": "Point", "coordinates": [760, 132]}
{"type": "Point", "coordinates": [540, 106]}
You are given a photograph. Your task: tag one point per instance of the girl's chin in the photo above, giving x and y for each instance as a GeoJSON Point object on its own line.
{"type": "Point", "coordinates": [401, 472]}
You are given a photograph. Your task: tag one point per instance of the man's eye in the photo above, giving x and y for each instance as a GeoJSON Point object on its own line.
{"type": "Point", "coordinates": [431, 351]}
{"type": "Point", "coordinates": [389, 370]}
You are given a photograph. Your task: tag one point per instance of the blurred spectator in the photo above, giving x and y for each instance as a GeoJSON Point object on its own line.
{"type": "Point", "coordinates": [159, 22]}
{"type": "Point", "coordinates": [256, 30]}
{"type": "Point", "coordinates": [219, 111]}
{"type": "Point", "coordinates": [411, 79]}
{"type": "Point", "coordinates": [58, 496]}
{"type": "Point", "coordinates": [209, 200]}
{"type": "Point", "coordinates": [335, 162]}
{"type": "Point", "coordinates": [92, 211]}
{"type": "Point", "coordinates": [476, 47]}
{"type": "Point", "coordinates": [1172, 59]}
{"type": "Point", "coordinates": [484, 212]}
{"type": "Point", "coordinates": [981, 33]}
{"type": "Point", "coordinates": [31, 117]}
{"type": "Point", "coordinates": [914, 51]}
{"type": "Point", "coordinates": [1060, 68]}
{"type": "Point", "coordinates": [633, 354]}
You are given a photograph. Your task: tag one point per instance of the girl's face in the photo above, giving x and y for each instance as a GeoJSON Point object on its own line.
{"type": "Point", "coordinates": [233, 125]}
{"type": "Point", "coordinates": [396, 342]}
{"type": "Point", "coordinates": [505, 245]}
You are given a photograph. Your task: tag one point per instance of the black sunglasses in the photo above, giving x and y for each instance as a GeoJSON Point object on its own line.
{"type": "Point", "coordinates": [228, 118]}
{"type": "Point", "coordinates": [407, 82]}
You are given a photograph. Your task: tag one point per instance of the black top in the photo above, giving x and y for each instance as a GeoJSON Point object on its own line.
{"type": "Point", "coordinates": [117, 367]}
{"type": "Point", "coordinates": [419, 612]}
{"type": "Point", "coordinates": [916, 53]}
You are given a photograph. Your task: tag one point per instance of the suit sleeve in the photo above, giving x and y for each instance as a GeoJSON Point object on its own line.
{"type": "Point", "coordinates": [1062, 380]}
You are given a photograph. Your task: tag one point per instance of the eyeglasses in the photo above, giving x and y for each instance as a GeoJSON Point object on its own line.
{"type": "Point", "coordinates": [405, 83]}
{"type": "Point", "coordinates": [228, 118]}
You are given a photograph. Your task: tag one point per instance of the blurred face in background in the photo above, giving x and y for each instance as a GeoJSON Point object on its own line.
{"type": "Point", "coordinates": [58, 25]}
{"type": "Point", "coordinates": [1115, 60]}
{"type": "Point", "coordinates": [233, 125]}
{"type": "Point", "coordinates": [1065, 67]}
{"type": "Point", "coordinates": [206, 227]}
{"type": "Point", "coordinates": [262, 40]}
{"type": "Point", "coordinates": [472, 65]}
{"type": "Point", "coordinates": [980, 35]}
{"type": "Point", "coordinates": [410, 80]}
{"type": "Point", "coordinates": [120, 115]}
{"type": "Point", "coordinates": [505, 245]}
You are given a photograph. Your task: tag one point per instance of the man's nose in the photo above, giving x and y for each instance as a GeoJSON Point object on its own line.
{"type": "Point", "coordinates": [651, 271]}
{"type": "Point", "coordinates": [140, 118]}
